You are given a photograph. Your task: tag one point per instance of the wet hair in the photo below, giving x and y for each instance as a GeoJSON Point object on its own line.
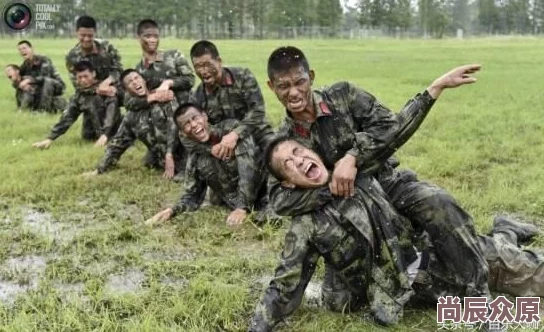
{"type": "Point", "coordinates": [146, 24]}
{"type": "Point", "coordinates": [269, 151]}
{"type": "Point", "coordinates": [85, 21]}
{"type": "Point", "coordinates": [13, 66]}
{"type": "Point", "coordinates": [125, 74]}
{"type": "Point", "coordinates": [83, 65]}
{"type": "Point", "coordinates": [182, 109]}
{"type": "Point", "coordinates": [284, 59]}
{"type": "Point", "coordinates": [203, 47]}
{"type": "Point", "coordinates": [24, 42]}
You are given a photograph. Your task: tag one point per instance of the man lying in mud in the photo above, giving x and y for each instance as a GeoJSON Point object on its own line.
{"type": "Point", "coordinates": [369, 246]}
{"type": "Point", "coordinates": [240, 181]}
{"type": "Point", "coordinates": [153, 126]}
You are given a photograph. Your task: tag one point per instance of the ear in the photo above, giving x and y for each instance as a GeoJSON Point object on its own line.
{"type": "Point", "coordinates": [287, 184]}
{"type": "Point", "coordinates": [312, 75]}
{"type": "Point", "coordinates": [219, 60]}
{"type": "Point", "coordinates": [270, 85]}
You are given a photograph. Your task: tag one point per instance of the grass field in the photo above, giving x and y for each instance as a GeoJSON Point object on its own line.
{"type": "Point", "coordinates": [76, 256]}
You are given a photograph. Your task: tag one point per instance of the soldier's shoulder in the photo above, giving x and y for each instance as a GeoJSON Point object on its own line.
{"type": "Point", "coordinates": [72, 53]}
{"type": "Point", "coordinates": [173, 53]}
{"type": "Point", "coordinates": [239, 71]}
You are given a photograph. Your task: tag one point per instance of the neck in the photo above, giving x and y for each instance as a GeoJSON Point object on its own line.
{"type": "Point", "coordinates": [150, 55]}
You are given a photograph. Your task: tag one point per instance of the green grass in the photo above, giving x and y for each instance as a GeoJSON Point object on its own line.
{"type": "Point", "coordinates": [483, 142]}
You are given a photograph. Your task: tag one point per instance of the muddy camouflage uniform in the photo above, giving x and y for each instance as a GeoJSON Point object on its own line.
{"type": "Point", "coordinates": [350, 120]}
{"type": "Point", "coordinates": [106, 62]}
{"type": "Point", "coordinates": [153, 126]}
{"type": "Point", "coordinates": [363, 238]}
{"type": "Point", "coordinates": [167, 65]}
{"type": "Point", "coordinates": [101, 116]}
{"type": "Point", "coordinates": [334, 231]}
{"type": "Point", "coordinates": [238, 97]}
{"type": "Point", "coordinates": [240, 182]}
{"type": "Point", "coordinates": [47, 84]}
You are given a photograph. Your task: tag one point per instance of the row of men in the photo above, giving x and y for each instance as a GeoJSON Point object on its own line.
{"type": "Point", "coordinates": [331, 170]}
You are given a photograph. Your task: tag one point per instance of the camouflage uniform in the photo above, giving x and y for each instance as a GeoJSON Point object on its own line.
{"type": "Point", "coordinates": [153, 126]}
{"type": "Point", "coordinates": [512, 270]}
{"type": "Point", "coordinates": [362, 238]}
{"type": "Point", "coordinates": [239, 181]}
{"type": "Point", "coordinates": [101, 116]}
{"type": "Point", "coordinates": [334, 230]}
{"type": "Point", "coordinates": [238, 97]}
{"type": "Point", "coordinates": [167, 65]}
{"type": "Point", "coordinates": [47, 84]}
{"type": "Point", "coordinates": [106, 62]}
{"type": "Point", "coordinates": [350, 120]}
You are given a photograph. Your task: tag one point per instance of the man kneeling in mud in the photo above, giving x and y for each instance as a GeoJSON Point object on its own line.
{"type": "Point", "coordinates": [368, 246]}
{"type": "Point", "coordinates": [239, 181]}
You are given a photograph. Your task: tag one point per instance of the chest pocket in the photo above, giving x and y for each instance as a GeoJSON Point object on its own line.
{"type": "Point", "coordinates": [328, 234]}
{"type": "Point", "coordinates": [334, 137]}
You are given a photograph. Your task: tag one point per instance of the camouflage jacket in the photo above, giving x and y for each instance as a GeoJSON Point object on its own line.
{"type": "Point", "coordinates": [349, 120]}
{"type": "Point", "coordinates": [362, 237]}
{"type": "Point", "coordinates": [102, 111]}
{"type": "Point", "coordinates": [237, 181]}
{"type": "Point", "coordinates": [104, 57]}
{"type": "Point", "coordinates": [168, 65]}
{"type": "Point", "coordinates": [42, 67]}
{"type": "Point", "coordinates": [238, 97]}
{"type": "Point", "coordinates": [153, 126]}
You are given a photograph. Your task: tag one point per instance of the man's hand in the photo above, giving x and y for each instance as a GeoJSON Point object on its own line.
{"type": "Point", "coordinates": [236, 217]}
{"type": "Point", "coordinates": [43, 144]}
{"type": "Point", "coordinates": [168, 166]}
{"type": "Point", "coordinates": [101, 141]}
{"type": "Point", "coordinates": [106, 89]}
{"type": "Point", "coordinates": [226, 146]}
{"type": "Point", "coordinates": [343, 177]}
{"type": "Point", "coordinates": [90, 174]}
{"type": "Point", "coordinates": [162, 216]}
{"type": "Point", "coordinates": [454, 78]}
{"type": "Point", "coordinates": [25, 85]}
{"type": "Point", "coordinates": [160, 96]}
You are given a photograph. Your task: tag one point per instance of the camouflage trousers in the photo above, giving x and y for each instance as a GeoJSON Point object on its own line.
{"type": "Point", "coordinates": [457, 254]}
{"type": "Point", "coordinates": [90, 132]}
{"type": "Point", "coordinates": [155, 160]}
{"type": "Point", "coordinates": [512, 270]}
{"type": "Point", "coordinates": [43, 97]}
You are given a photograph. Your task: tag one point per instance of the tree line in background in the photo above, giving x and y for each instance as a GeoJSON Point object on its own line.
{"type": "Point", "coordinates": [261, 19]}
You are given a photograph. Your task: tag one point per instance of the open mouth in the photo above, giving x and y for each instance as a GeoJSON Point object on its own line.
{"type": "Point", "coordinates": [199, 131]}
{"type": "Point", "coordinates": [312, 171]}
{"type": "Point", "coordinates": [295, 103]}
{"type": "Point", "coordinates": [139, 88]}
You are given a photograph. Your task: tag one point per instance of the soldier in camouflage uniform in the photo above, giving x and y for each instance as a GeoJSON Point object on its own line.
{"type": "Point", "coordinates": [228, 93]}
{"type": "Point", "coordinates": [153, 126]}
{"type": "Point", "coordinates": [369, 245]}
{"type": "Point", "coordinates": [103, 55]}
{"type": "Point", "coordinates": [44, 79]}
{"type": "Point", "coordinates": [101, 116]}
{"type": "Point", "coordinates": [355, 133]}
{"type": "Point", "coordinates": [162, 70]}
{"type": "Point", "coordinates": [239, 181]}
{"type": "Point", "coordinates": [29, 94]}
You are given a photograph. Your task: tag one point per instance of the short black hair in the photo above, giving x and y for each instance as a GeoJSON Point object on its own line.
{"type": "Point", "coordinates": [24, 42]}
{"type": "Point", "coordinates": [14, 66]}
{"type": "Point", "coordinates": [203, 47]}
{"type": "Point", "coordinates": [269, 151]}
{"type": "Point", "coordinates": [125, 74]}
{"type": "Point", "coordinates": [83, 65]}
{"type": "Point", "coordinates": [85, 21]}
{"type": "Point", "coordinates": [284, 59]}
{"type": "Point", "coordinates": [182, 109]}
{"type": "Point", "coordinates": [146, 24]}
